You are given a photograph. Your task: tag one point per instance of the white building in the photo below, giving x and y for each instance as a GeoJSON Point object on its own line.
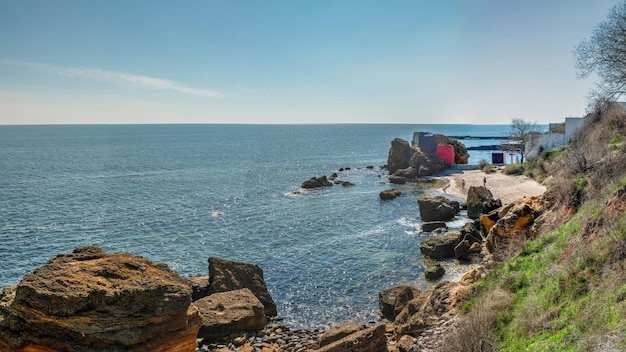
{"type": "Point", "coordinates": [549, 141]}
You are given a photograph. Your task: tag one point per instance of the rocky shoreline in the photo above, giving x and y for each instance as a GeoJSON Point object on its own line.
{"type": "Point", "coordinates": [97, 301]}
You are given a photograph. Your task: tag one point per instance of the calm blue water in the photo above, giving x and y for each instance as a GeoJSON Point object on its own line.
{"type": "Point", "coordinates": [181, 193]}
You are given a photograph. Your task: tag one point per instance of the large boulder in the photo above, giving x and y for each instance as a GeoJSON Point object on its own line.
{"type": "Point", "coordinates": [430, 308]}
{"type": "Point", "coordinates": [391, 301]}
{"type": "Point", "coordinates": [228, 312]}
{"type": "Point", "coordinates": [441, 246]}
{"type": "Point", "coordinates": [431, 226]}
{"type": "Point", "coordinates": [399, 155]}
{"type": "Point", "coordinates": [480, 201]}
{"type": "Point", "coordinates": [390, 194]}
{"type": "Point", "coordinates": [91, 300]}
{"type": "Point", "coordinates": [437, 208]}
{"type": "Point", "coordinates": [368, 340]}
{"type": "Point", "coordinates": [514, 223]}
{"type": "Point", "coordinates": [228, 275]}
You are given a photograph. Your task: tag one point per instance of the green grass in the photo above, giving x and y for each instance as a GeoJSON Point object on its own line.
{"type": "Point", "coordinates": [568, 295]}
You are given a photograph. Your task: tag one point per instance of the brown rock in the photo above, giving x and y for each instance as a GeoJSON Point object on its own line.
{"type": "Point", "coordinates": [480, 201]}
{"type": "Point", "coordinates": [434, 272]}
{"type": "Point", "coordinates": [98, 301]}
{"type": "Point", "coordinates": [227, 275]}
{"type": "Point", "coordinates": [517, 223]}
{"type": "Point", "coordinates": [369, 340]}
{"type": "Point", "coordinates": [399, 155]}
{"type": "Point", "coordinates": [437, 208]}
{"type": "Point", "coordinates": [473, 275]}
{"type": "Point", "coordinates": [431, 226]}
{"type": "Point", "coordinates": [430, 307]}
{"type": "Point", "coordinates": [397, 180]}
{"type": "Point", "coordinates": [227, 312]}
{"type": "Point", "coordinates": [392, 300]}
{"type": "Point", "coordinates": [199, 286]}
{"type": "Point", "coordinates": [390, 194]}
{"type": "Point", "coordinates": [338, 332]}
{"type": "Point", "coordinates": [409, 172]}
{"type": "Point", "coordinates": [440, 246]}
{"type": "Point", "coordinates": [407, 344]}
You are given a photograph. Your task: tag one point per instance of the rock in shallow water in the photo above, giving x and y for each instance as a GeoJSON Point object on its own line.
{"type": "Point", "coordinates": [98, 301]}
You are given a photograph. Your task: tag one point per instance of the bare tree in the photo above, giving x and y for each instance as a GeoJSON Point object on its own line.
{"type": "Point", "coordinates": [525, 134]}
{"type": "Point", "coordinates": [605, 54]}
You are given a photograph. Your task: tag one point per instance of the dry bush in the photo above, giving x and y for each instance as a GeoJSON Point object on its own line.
{"type": "Point", "coordinates": [474, 330]}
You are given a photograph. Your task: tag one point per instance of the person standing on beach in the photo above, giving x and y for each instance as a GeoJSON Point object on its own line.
{"type": "Point", "coordinates": [485, 182]}
{"type": "Point", "coordinates": [463, 184]}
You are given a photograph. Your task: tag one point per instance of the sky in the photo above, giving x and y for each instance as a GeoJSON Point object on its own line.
{"type": "Point", "coordinates": [278, 61]}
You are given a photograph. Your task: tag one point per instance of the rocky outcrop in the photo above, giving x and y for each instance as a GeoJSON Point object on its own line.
{"type": "Point", "coordinates": [430, 308]}
{"type": "Point", "coordinates": [441, 246]}
{"type": "Point", "coordinates": [426, 164]}
{"type": "Point", "coordinates": [91, 300]}
{"type": "Point", "coordinates": [431, 226]}
{"type": "Point", "coordinates": [399, 155]}
{"type": "Point", "coordinates": [227, 312]}
{"type": "Point", "coordinates": [392, 300]}
{"type": "Point", "coordinates": [514, 221]}
{"type": "Point", "coordinates": [316, 182]}
{"type": "Point", "coordinates": [390, 194]}
{"type": "Point", "coordinates": [461, 156]}
{"type": "Point", "coordinates": [437, 208]}
{"type": "Point", "coordinates": [338, 332]}
{"type": "Point", "coordinates": [227, 275]}
{"type": "Point", "coordinates": [480, 201]}
{"type": "Point", "coordinates": [368, 340]}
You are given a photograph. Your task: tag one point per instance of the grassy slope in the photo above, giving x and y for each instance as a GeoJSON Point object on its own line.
{"type": "Point", "coordinates": [566, 290]}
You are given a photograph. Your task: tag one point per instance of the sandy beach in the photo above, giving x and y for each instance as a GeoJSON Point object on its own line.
{"type": "Point", "coordinates": [504, 187]}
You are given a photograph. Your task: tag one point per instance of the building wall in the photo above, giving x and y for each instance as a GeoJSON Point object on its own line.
{"type": "Point", "coordinates": [571, 125]}
{"type": "Point", "coordinates": [547, 141]}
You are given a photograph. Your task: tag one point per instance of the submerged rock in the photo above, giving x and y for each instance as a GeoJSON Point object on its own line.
{"type": "Point", "coordinates": [91, 300]}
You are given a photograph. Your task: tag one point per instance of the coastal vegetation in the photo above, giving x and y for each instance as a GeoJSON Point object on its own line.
{"type": "Point", "coordinates": [565, 290]}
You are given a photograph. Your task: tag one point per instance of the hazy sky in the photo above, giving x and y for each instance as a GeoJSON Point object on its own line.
{"type": "Point", "coordinates": [273, 61]}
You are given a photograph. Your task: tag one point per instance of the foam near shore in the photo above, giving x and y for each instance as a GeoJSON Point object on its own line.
{"type": "Point", "coordinates": [507, 188]}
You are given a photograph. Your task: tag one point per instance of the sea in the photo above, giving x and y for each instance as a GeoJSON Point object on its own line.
{"type": "Point", "coordinates": [179, 194]}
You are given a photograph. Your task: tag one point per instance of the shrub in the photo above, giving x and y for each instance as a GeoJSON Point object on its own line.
{"type": "Point", "coordinates": [474, 330]}
{"type": "Point", "coordinates": [513, 169]}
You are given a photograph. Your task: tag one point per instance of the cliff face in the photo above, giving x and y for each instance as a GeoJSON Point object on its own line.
{"type": "Point", "coordinates": [98, 301]}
